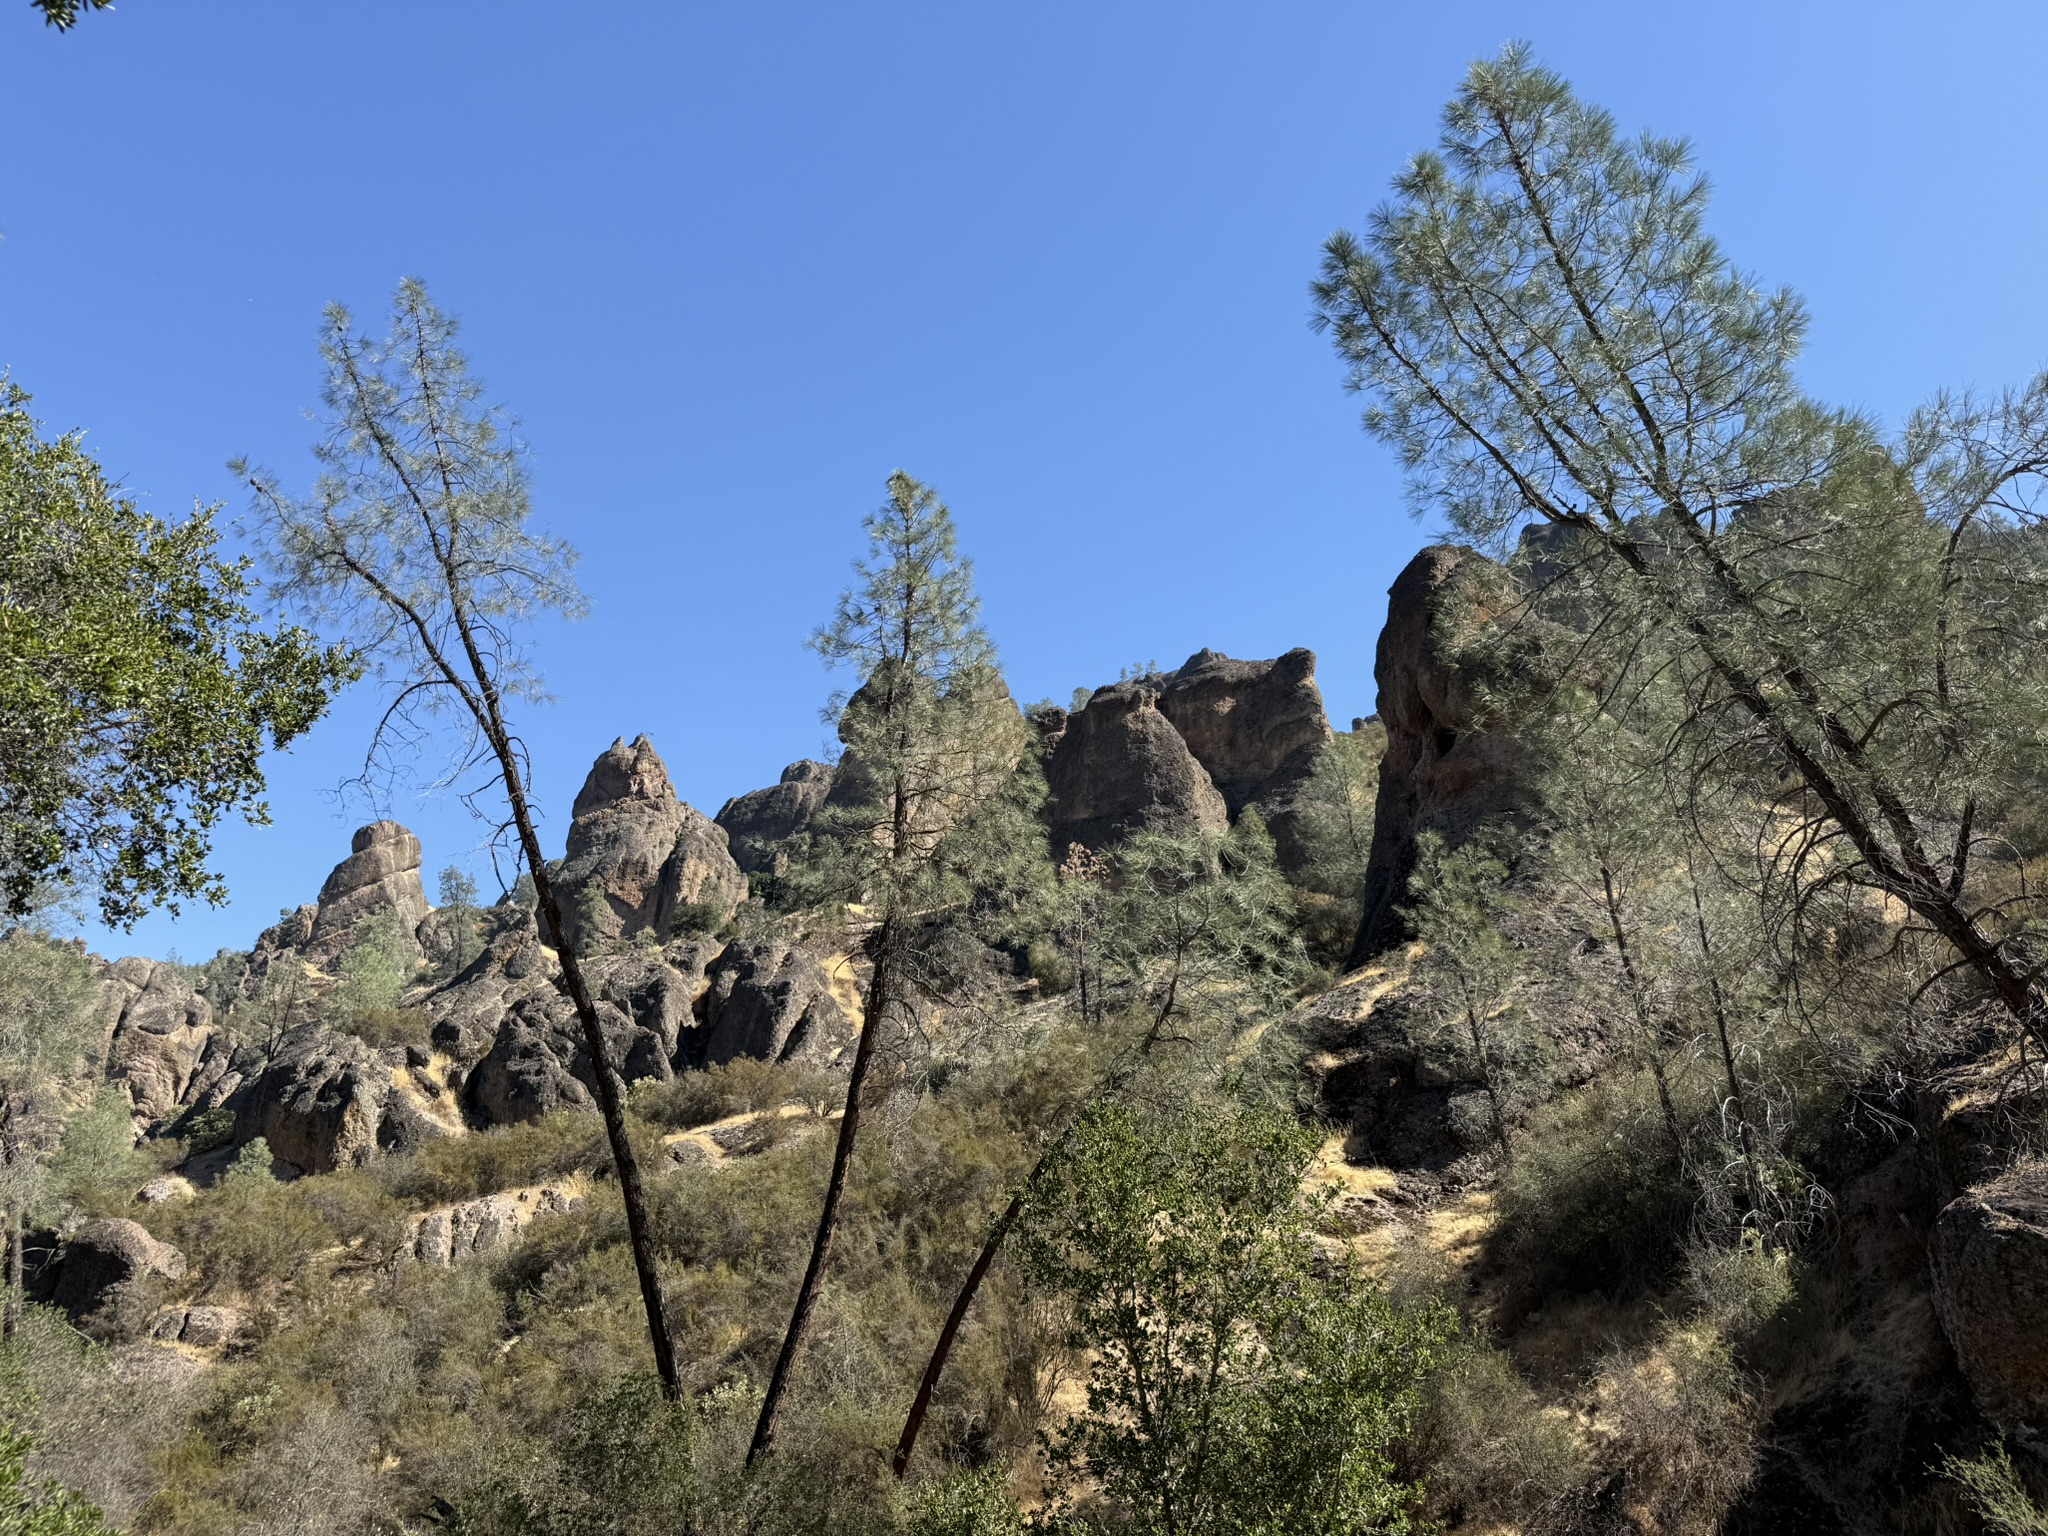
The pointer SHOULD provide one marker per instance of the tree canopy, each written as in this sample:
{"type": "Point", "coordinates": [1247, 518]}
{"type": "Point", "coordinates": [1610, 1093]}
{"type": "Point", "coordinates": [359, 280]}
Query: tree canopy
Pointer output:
{"type": "Point", "coordinates": [139, 687]}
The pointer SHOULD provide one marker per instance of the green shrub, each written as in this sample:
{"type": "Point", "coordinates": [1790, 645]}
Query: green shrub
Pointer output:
{"type": "Point", "coordinates": [248, 1230]}
{"type": "Point", "coordinates": [377, 966]}
{"type": "Point", "coordinates": [971, 1503]}
{"type": "Point", "coordinates": [202, 1131]}
{"type": "Point", "coordinates": [97, 1163]}
{"type": "Point", "coordinates": [1483, 1447]}
{"type": "Point", "coordinates": [462, 1167]}
{"type": "Point", "coordinates": [1994, 1489]}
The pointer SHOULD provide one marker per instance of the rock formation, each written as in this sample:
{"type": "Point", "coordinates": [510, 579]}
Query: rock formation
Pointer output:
{"type": "Point", "coordinates": [1445, 769]}
{"type": "Point", "coordinates": [760, 821]}
{"type": "Point", "coordinates": [104, 1259]}
{"type": "Point", "coordinates": [381, 874]}
{"type": "Point", "coordinates": [454, 1232]}
{"type": "Point", "coordinates": [162, 1043]}
{"type": "Point", "coordinates": [648, 853]}
{"type": "Point", "coordinates": [1119, 768]}
{"type": "Point", "coordinates": [772, 999]}
{"type": "Point", "coordinates": [328, 1101]}
{"type": "Point", "coordinates": [1186, 751]}
{"type": "Point", "coordinates": [1990, 1256]}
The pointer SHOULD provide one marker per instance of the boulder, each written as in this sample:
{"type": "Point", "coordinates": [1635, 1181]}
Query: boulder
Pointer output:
{"type": "Point", "coordinates": [1119, 767]}
{"type": "Point", "coordinates": [327, 1101]}
{"type": "Point", "coordinates": [454, 1232]}
{"type": "Point", "coordinates": [1447, 767]}
{"type": "Point", "coordinates": [105, 1258]}
{"type": "Point", "coordinates": [381, 874]}
{"type": "Point", "coordinates": [770, 999]}
{"type": "Point", "coordinates": [759, 822]}
{"type": "Point", "coordinates": [200, 1327]}
{"type": "Point", "coordinates": [160, 1035]}
{"type": "Point", "coordinates": [1990, 1263]}
{"type": "Point", "coordinates": [1256, 727]}
{"type": "Point", "coordinates": [648, 853]}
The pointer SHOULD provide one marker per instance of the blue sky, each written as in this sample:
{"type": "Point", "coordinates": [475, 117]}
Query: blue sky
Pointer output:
{"type": "Point", "coordinates": [731, 264]}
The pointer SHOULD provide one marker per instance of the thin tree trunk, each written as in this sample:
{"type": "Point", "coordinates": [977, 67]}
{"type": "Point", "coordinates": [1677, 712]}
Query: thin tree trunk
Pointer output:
{"type": "Point", "coordinates": [798, 1331]}
{"type": "Point", "coordinates": [1752, 1172]}
{"type": "Point", "coordinates": [1652, 1036]}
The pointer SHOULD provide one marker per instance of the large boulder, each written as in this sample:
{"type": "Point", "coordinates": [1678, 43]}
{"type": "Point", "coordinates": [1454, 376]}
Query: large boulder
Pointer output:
{"type": "Point", "coordinates": [327, 1101]}
{"type": "Point", "coordinates": [1256, 727]}
{"type": "Point", "coordinates": [381, 874]}
{"type": "Point", "coordinates": [454, 1232]}
{"type": "Point", "coordinates": [1119, 767]}
{"type": "Point", "coordinates": [771, 999]}
{"type": "Point", "coordinates": [1990, 1261]}
{"type": "Point", "coordinates": [758, 823]}
{"type": "Point", "coordinates": [162, 1042]}
{"type": "Point", "coordinates": [105, 1259]}
{"type": "Point", "coordinates": [1448, 768]}
{"type": "Point", "coordinates": [645, 851]}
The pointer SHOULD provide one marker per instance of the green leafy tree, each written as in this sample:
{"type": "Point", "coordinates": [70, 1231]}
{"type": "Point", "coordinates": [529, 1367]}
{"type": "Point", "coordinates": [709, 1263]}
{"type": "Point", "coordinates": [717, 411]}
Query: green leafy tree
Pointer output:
{"type": "Point", "coordinates": [138, 691]}
{"type": "Point", "coordinates": [377, 966]}
{"type": "Point", "coordinates": [65, 14]}
{"type": "Point", "coordinates": [251, 1165]}
{"type": "Point", "coordinates": [1233, 1388]}
{"type": "Point", "coordinates": [416, 541]}
{"type": "Point", "coordinates": [96, 1154]}
{"type": "Point", "coordinates": [941, 835]}
{"type": "Point", "coordinates": [1546, 332]}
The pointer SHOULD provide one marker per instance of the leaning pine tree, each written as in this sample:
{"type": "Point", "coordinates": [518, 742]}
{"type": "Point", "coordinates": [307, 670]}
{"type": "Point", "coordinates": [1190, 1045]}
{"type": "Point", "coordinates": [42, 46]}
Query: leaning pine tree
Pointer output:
{"type": "Point", "coordinates": [415, 542]}
{"type": "Point", "coordinates": [941, 824]}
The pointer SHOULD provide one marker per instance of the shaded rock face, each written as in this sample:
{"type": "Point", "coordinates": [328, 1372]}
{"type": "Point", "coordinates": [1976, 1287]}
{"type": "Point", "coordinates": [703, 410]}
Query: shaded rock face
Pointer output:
{"type": "Point", "coordinates": [1120, 768]}
{"type": "Point", "coordinates": [162, 1043]}
{"type": "Point", "coordinates": [1256, 727]}
{"type": "Point", "coordinates": [381, 874]}
{"type": "Point", "coordinates": [1186, 751]}
{"type": "Point", "coordinates": [758, 822]}
{"type": "Point", "coordinates": [509, 1022]}
{"type": "Point", "coordinates": [1990, 1262]}
{"type": "Point", "coordinates": [454, 1232]}
{"type": "Point", "coordinates": [328, 1101]}
{"type": "Point", "coordinates": [104, 1258]}
{"type": "Point", "coordinates": [646, 851]}
{"type": "Point", "coordinates": [771, 999]}
{"type": "Point", "coordinates": [201, 1327]}
{"type": "Point", "coordinates": [1445, 769]}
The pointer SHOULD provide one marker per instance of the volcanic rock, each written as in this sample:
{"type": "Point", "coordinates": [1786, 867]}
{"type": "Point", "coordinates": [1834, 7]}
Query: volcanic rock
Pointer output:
{"type": "Point", "coordinates": [759, 822]}
{"type": "Point", "coordinates": [382, 874]}
{"type": "Point", "coordinates": [1119, 768]}
{"type": "Point", "coordinates": [1990, 1262]}
{"type": "Point", "coordinates": [104, 1258]}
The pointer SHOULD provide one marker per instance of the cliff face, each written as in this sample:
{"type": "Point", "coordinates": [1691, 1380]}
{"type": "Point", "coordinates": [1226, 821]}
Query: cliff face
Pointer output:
{"type": "Point", "coordinates": [1447, 768]}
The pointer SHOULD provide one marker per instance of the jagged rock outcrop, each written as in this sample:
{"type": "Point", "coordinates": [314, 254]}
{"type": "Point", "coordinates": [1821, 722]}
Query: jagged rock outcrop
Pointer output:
{"type": "Point", "coordinates": [1446, 769]}
{"type": "Point", "coordinates": [162, 1042]}
{"type": "Point", "coordinates": [454, 1232]}
{"type": "Point", "coordinates": [757, 823]}
{"type": "Point", "coordinates": [381, 874]}
{"type": "Point", "coordinates": [515, 1034]}
{"type": "Point", "coordinates": [646, 851]}
{"type": "Point", "coordinates": [772, 999]}
{"type": "Point", "coordinates": [103, 1259]}
{"type": "Point", "coordinates": [327, 1101]}
{"type": "Point", "coordinates": [1119, 768]}
{"type": "Point", "coordinates": [1256, 727]}
{"type": "Point", "coordinates": [1990, 1261]}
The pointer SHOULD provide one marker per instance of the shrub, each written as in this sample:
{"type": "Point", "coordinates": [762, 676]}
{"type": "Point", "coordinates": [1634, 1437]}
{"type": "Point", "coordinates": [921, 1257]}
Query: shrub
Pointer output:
{"type": "Point", "coordinates": [97, 1163]}
{"type": "Point", "coordinates": [735, 1087]}
{"type": "Point", "coordinates": [377, 966]}
{"type": "Point", "coordinates": [1992, 1485]}
{"type": "Point", "coordinates": [973, 1503]}
{"type": "Point", "coordinates": [1685, 1429]}
{"type": "Point", "coordinates": [204, 1130]}
{"type": "Point", "coordinates": [248, 1230]}
{"type": "Point", "coordinates": [381, 1028]}
{"type": "Point", "coordinates": [1741, 1288]}
{"type": "Point", "coordinates": [1484, 1448]}
{"type": "Point", "coordinates": [462, 1167]}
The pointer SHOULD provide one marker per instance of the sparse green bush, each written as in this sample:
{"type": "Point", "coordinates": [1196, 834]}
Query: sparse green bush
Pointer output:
{"type": "Point", "coordinates": [462, 1167]}
{"type": "Point", "coordinates": [375, 969]}
{"type": "Point", "coordinates": [248, 1230]}
{"type": "Point", "coordinates": [204, 1130]}
{"type": "Point", "coordinates": [1993, 1486]}
{"type": "Point", "coordinates": [1595, 1198]}
{"type": "Point", "coordinates": [1685, 1429]}
{"type": "Point", "coordinates": [1740, 1289]}
{"type": "Point", "coordinates": [381, 1028]}
{"type": "Point", "coordinates": [969, 1503]}
{"type": "Point", "coordinates": [1482, 1446]}
{"type": "Point", "coordinates": [97, 1164]}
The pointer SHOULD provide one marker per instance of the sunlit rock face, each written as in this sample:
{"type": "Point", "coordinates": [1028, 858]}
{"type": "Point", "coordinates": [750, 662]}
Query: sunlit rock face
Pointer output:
{"type": "Point", "coordinates": [381, 874]}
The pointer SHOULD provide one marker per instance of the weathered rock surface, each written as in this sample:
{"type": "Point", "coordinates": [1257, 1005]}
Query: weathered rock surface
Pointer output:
{"type": "Point", "coordinates": [454, 1232]}
{"type": "Point", "coordinates": [200, 1327]}
{"type": "Point", "coordinates": [381, 874]}
{"type": "Point", "coordinates": [1990, 1261]}
{"type": "Point", "coordinates": [328, 1101]}
{"type": "Point", "coordinates": [162, 1043]}
{"type": "Point", "coordinates": [1256, 727]}
{"type": "Point", "coordinates": [1446, 770]}
{"type": "Point", "coordinates": [772, 999]}
{"type": "Point", "coordinates": [103, 1258]}
{"type": "Point", "coordinates": [645, 850]}
{"type": "Point", "coordinates": [1120, 768]}
{"type": "Point", "coordinates": [757, 823]}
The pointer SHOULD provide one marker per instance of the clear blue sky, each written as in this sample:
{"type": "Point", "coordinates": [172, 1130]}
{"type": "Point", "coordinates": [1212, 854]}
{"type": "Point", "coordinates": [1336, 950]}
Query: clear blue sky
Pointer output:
{"type": "Point", "coordinates": [733, 263]}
